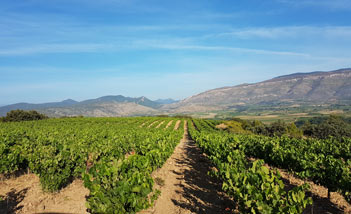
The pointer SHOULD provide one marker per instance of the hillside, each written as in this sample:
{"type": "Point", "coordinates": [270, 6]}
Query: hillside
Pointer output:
{"type": "Point", "coordinates": [30, 106]}
{"type": "Point", "coordinates": [301, 88]}
{"type": "Point", "coordinates": [107, 106]}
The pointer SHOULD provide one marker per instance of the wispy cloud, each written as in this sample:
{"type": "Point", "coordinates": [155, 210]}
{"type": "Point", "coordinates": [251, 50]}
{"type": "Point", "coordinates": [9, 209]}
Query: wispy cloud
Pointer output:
{"type": "Point", "coordinates": [20, 30]}
{"type": "Point", "coordinates": [303, 55]}
{"type": "Point", "coordinates": [327, 4]}
{"type": "Point", "coordinates": [290, 32]}
{"type": "Point", "coordinates": [135, 45]}
{"type": "Point", "coordinates": [55, 48]}
{"type": "Point", "coordinates": [170, 46]}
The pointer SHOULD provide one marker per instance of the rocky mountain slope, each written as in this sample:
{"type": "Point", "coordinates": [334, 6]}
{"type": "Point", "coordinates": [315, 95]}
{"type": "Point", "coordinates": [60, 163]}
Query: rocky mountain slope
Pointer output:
{"type": "Point", "coordinates": [315, 87]}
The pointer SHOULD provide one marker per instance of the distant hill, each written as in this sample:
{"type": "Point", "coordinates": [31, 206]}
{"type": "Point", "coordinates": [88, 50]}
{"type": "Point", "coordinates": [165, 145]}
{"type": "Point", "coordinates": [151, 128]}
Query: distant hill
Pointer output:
{"type": "Point", "coordinates": [121, 99]}
{"type": "Point", "coordinates": [106, 106]}
{"type": "Point", "coordinates": [29, 106]}
{"type": "Point", "coordinates": [315, 87]}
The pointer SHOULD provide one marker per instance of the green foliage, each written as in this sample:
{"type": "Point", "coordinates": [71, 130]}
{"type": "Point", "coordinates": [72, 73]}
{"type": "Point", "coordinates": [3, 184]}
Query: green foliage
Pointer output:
{"type": "Point", "coordinates": [293, 131]}
{"type": "Point", "coordinates": [254, 187]}
{"type": "Point", "coordinates": [124, 186]}
{"type": "Point", "coordinates": [278, 128]}
{"type": "Point", "coordinates": [326, 162]}
{"type": "Point", "coordinates": [324, 128]}
{"type": "Point", "coordinates": [162, 115]}
{"type": "Point", "coordinates": [114, 156]}
{"type": "Point", "coordinates": [182, 116]}
{"type": "Point", "coordinates": [235, 127]}
{"type": "Point", "coordinates": [257, 127]}
{"type": "Point", "coordinates": [20, 115]}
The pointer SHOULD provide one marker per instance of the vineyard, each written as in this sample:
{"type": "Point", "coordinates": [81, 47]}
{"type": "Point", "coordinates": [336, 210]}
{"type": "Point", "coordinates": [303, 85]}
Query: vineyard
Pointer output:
{"type": "Point", "coordinates": [116, 158]}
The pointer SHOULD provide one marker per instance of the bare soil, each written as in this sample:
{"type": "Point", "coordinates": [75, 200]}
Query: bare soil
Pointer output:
{"type": "Point", "coordinates": [176, 127]}
{"type": "Point", "coordinates": [222, 126]}
{"type": "Point", "coordinates": [160, 124]}
{"type": "Point", "coordinates": [186, 187]}
{"type": "Point", "coordinates": [24, 194]}
{"type": "Point", "coordinates": [169, 124]}
{"type": "Point", "coordinates": [152, 123]}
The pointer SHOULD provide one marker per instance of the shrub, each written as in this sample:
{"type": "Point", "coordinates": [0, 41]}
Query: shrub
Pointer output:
{"type": "Point", "coordinates": [333, 126]}
{"type": "Point", "coordinates": [20, 115]}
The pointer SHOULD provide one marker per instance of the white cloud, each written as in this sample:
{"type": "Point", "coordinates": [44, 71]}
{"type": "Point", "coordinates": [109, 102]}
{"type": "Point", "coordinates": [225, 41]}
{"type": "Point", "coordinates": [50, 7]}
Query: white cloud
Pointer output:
{"type": "Point", "coordinates": [290, 32]}
{"type": "Point", "coordinates": [171, 46]}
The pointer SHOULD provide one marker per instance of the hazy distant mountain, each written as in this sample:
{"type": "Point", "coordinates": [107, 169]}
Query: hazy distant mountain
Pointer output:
{"type": "Point", "coordinates": [121, 99]}
{"type": "Point", "coordinates": [29, 106]}
{"type": "Point", "coordinates": [315, 87]}
{"type": "Point", "coordinates": [106, 106]}
{"type": "Point", "coordinates": [102, 109]}
{"type": "Point", "coordinates": [166, 101]}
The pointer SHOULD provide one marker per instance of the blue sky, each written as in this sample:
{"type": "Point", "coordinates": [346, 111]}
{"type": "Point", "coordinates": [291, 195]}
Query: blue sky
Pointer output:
{"type": "Point", "coordinates": [80, 49]}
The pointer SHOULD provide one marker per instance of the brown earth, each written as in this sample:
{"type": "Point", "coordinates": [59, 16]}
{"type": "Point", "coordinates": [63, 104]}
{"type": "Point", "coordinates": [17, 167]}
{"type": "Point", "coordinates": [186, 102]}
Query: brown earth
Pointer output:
{"type": "Point", "coordinates": [160, 124]}
{"type": "Point", "coordinates": [24, 194]}
{"type": "Point", "coordinates": [152, 123]}
{"type": "Point", "coordinates": [176, 127]}
{"type": "Point", "coordinates": [169, 124]}
{"type": "Point", "coordinates": [185, 185]}
{"type": "Point", "coordinates": [222, 126]}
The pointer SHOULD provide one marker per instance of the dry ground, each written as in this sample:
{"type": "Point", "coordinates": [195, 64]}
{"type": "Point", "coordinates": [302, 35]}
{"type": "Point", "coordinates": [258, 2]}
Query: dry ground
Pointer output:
{"type": "Point", "coordinates": [186, 187]}
{"type": "Point", "coordinates": [169, 124]}
{"type": "Point", "coordinates": [23, 194]}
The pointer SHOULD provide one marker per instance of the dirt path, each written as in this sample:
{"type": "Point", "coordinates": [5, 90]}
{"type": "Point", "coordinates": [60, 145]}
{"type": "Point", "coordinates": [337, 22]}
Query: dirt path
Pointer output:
{"type": "Point", "coordinates": [24, 195]}
{"type": "Point", "coordinates": [176, 127]}
{"type": "Point", "coordinates": [187, 188]}
{"type": "Point", "coordinates": [152, 123]}
{"type": "Point", "coordinates": [169, 124]}
{"type": "Point", "coordinates": [142, 124]}
{"type": "Point", "coordinates": [160, 124]}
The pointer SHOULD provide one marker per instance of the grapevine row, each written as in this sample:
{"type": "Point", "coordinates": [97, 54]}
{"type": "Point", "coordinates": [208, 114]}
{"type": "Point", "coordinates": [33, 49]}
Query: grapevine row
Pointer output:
{"type": "Point", "coordinates": [254, 187]}
{"type": "Point", "coordinates": [325, 162]}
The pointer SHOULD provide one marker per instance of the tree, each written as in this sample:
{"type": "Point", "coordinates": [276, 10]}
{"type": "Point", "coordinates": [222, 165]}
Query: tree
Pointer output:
{"type": "Point", "coordinates": [293, 131]}
{"type": "Point", "coordinates": [334, 126]}
{"type": "Point", "coordinates": [277, 128]}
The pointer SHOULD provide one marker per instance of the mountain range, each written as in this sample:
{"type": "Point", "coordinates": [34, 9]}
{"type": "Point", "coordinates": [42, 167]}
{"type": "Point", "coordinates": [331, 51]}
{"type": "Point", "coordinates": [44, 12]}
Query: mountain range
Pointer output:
{"type": "Point", "coordinates": [316, 88]}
